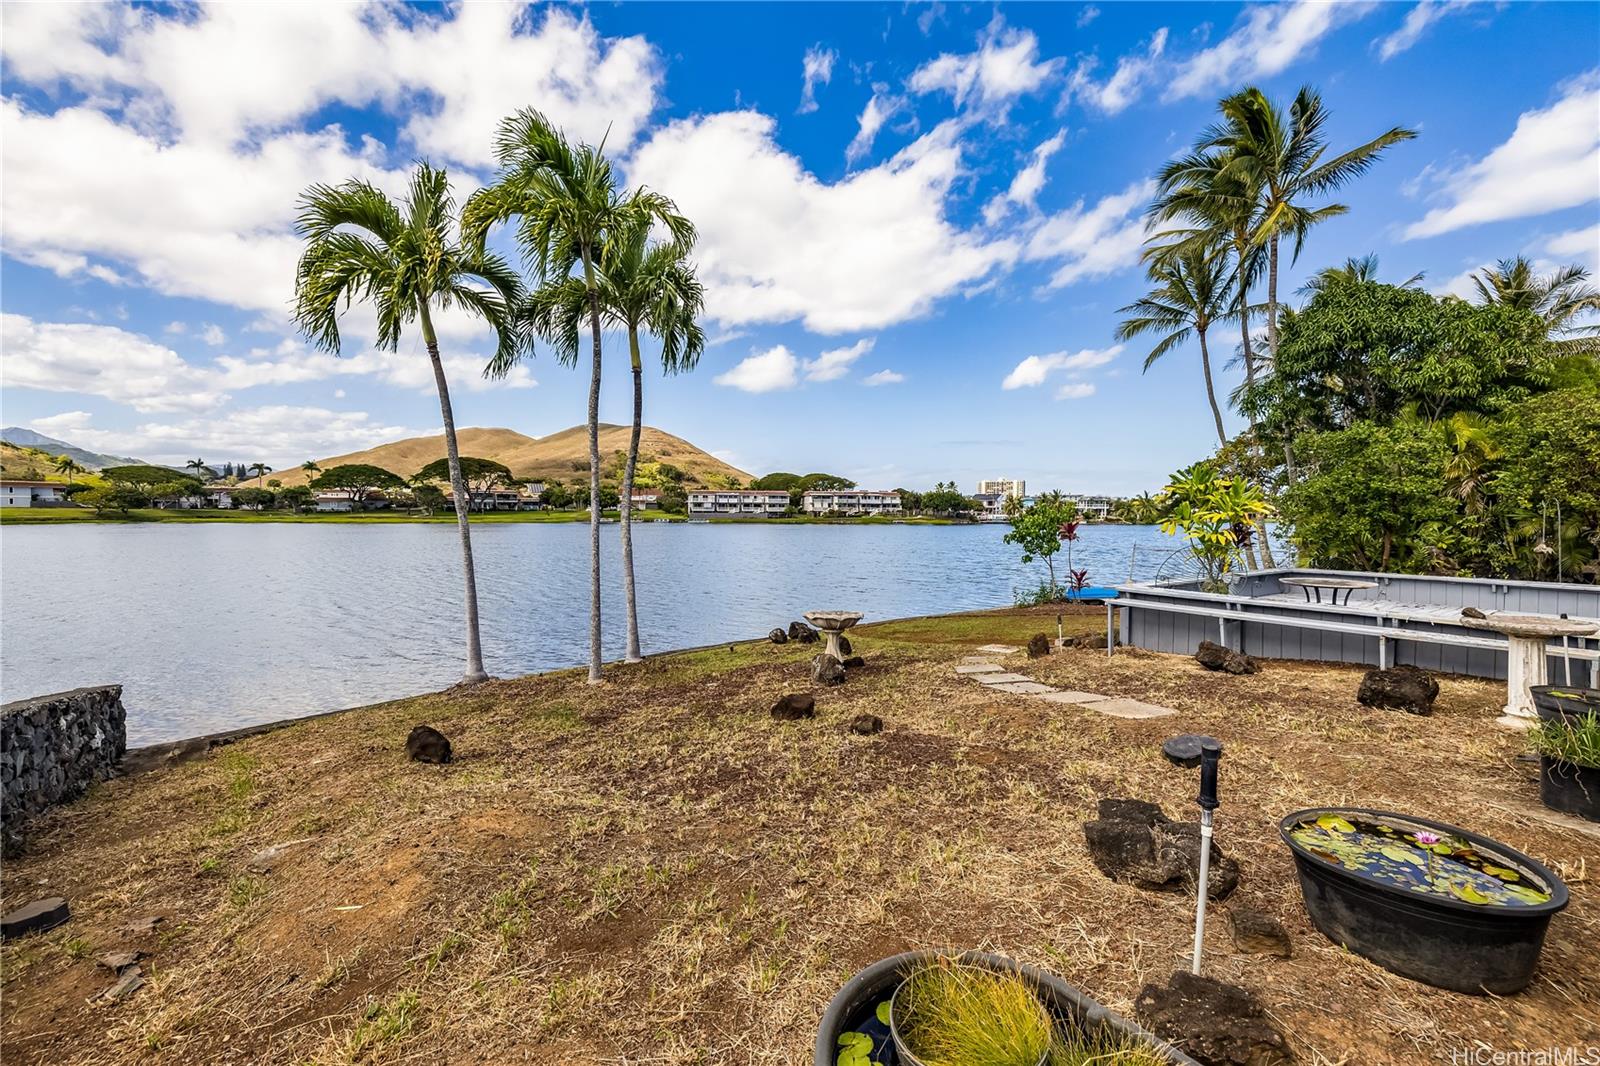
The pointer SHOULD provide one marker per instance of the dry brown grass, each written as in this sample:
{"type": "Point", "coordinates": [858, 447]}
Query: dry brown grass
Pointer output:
{"type": "Point", "coordinates": [653, 871]}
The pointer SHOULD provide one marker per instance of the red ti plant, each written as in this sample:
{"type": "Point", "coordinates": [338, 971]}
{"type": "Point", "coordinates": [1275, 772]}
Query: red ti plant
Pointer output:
{"type": "Point", "coordinates": [1069, 534]}
{"type": "Point", "coordinates": [1080, 579]}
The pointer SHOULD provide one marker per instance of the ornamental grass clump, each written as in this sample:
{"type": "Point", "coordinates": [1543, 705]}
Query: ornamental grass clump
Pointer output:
{"type": "Point", "coordinates": [951, 1014]}
{"type": "Point", "coordinates": [1568, 740]}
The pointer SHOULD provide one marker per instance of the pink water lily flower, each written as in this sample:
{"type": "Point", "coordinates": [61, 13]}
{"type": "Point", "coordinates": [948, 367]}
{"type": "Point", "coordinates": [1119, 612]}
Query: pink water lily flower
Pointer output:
{"type": "Point", "coordinates": [1426, 839]}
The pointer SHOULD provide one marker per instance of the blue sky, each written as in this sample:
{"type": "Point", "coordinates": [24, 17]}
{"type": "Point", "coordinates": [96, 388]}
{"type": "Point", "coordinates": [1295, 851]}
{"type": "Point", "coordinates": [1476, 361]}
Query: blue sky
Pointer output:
{"type": "Point", "coordinates": [917, 221]}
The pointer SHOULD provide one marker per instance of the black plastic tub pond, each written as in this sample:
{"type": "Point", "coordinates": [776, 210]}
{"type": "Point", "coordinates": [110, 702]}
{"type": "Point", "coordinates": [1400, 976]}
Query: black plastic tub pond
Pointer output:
{"type": "Point", "coordinates": [1556, 702]}
{"type": "Point", "coordinates": [1424, 899]}
{"type": "Point", "coordinates": [1570, 788]}
{"type": "Point", "coordinates": [854, 1008]}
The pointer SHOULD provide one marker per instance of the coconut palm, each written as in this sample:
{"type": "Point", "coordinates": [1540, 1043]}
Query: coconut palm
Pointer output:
{"type": "Point", "coordinates": [569, 212]}
{"type": "Point", "coordinates": [260, 470]}
{"type": "Point", "coordinates": [1558, 298]}
{"type": "Point", "coordinates": [404, 259]}
{"type": "Point", "coordinates": [66, 464]}
{"type": "Point", "coordinates": [1354, 272]}
{"type": "Point", "coordinates": [199, 467]}
{"type": "Point", "coordinates": [1193, 289]}
{"type": "Point", "coordinates": [310, 469]}
{"type": "Point", "coordinates": [1281, 157]}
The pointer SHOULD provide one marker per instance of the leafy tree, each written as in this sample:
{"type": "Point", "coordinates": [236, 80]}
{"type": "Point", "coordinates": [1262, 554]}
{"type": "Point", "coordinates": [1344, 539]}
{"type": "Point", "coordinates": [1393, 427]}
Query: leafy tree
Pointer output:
{"type": "Point", "coordinates": [358, 479]}
{"type": "Point", "coordinates": [945, 499]}
{"type": "Point", "coordinates": [482, 477]}
{"type": "Point", "coordinates": [403, 258]}
{"type": "Point", "coordinates": [256, 499]}
{"type": "Point", "coordinates": [1193, 289]}
{"type": "Point", "coordinates": [777, 482]}
{"type": "Point", "coordinates": [1038, 530]}
{"type": "Point", "coordinates": [429, 497]}
{"type": "Point", "coordinates": [144, 477]}
{"type": "Point", "coordinates": [114, 497]}
{"type": "Point", "coordinates": [1549, 469]}
{"type": "Point", "coordinates": [570, 212]}
{"type": "Point", "coordinates": [1216, 514]}
{"type": "Point", "coordinates": [825, 483]}
{"type": "Point", "coordinates": [295, 497]}
{"type": "Point", "coordinates": [666, 472]}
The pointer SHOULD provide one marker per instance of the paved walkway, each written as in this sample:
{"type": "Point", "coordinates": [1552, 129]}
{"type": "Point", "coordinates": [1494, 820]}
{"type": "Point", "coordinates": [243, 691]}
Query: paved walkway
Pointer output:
{"type": "Point", "coordinates": [987, 670]}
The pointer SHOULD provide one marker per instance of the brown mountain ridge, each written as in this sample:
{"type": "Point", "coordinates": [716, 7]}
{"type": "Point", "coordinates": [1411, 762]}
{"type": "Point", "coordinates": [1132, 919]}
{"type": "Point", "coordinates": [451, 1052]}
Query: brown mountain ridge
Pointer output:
{"type": "Point", "coordinates": [563, 455]}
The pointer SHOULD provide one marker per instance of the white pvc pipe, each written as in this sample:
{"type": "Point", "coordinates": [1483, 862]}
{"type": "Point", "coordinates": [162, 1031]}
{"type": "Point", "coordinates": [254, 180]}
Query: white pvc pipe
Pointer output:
{"type": "Point", "coordinates": [1200, 903]}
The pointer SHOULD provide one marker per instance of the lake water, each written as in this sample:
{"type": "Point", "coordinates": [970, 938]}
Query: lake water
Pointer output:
{"type": "Point", "coordinates": [210, 627]}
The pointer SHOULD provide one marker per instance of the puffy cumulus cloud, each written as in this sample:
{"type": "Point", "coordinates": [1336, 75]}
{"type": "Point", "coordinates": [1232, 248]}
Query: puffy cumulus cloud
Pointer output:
{"type": "Point", "coordinates": [103, 361]}
{"type": "Point", "coordinates": [1035, 369]}
{"type": "Point", "coordinates": [282, 435]}
{"type": "Point", "coordinates": [219, 72]}
{"type": "Point", "coordinates": [883, 377]}
{"type": "Point", "coordinates": [816, 68]}
{"type": "Point", "coordinates": [1266, 39]}
{"type": "Point", "coordinates": [1006, 65]}
{"type": "Point", "coordinates": [834, 364]}
{"type": "Point", "coordinates": [213, 335]}
{"type": "Point", "coordinates": [779, 244]}
{"type": "Point", "coordinates": [768, 371]}
{"type": "Point", "coordinates": [1549, 163]}
{"type": "Point", "coordinates": [1417, 22]}
{"type": "Point", "coordinates": [1126, 84]}
{"type": "Point", "coordinates": [1091, 242]}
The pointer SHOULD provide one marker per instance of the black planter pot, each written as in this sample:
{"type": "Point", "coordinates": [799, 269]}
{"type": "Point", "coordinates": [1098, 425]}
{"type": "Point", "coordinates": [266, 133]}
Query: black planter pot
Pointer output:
{"type": "Point", "coordinates": [1446, 943]}
{"type": "Point", "coordinates": [1573, 705]}
{"type": "Point", "coordinates": [1570, 788]}
{"type": "Point", "coordinates": [855, 1002]}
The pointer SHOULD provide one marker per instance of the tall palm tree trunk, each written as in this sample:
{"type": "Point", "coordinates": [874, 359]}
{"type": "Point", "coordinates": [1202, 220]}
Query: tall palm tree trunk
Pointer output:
{"type": "Point", "coordinates": [458, 486]}
{"type": "Point", "coordinates": [633, 655]}
{"type": "Point", "coordinates": [1211, 392]}
{"type": "Point", "coordinates": [594, 475]}
{"type": "Point", "coordinates": [1250, 371]}
{"type": "Point", "coordinates": [1272, 298]}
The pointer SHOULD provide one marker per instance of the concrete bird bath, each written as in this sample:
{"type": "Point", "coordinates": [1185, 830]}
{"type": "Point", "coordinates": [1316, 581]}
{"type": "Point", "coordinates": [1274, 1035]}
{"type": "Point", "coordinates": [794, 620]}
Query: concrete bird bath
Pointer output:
{"type": "Point", "coordinates": [833, 623]}
{"type": "Point", "coordinates": [1526, 637]}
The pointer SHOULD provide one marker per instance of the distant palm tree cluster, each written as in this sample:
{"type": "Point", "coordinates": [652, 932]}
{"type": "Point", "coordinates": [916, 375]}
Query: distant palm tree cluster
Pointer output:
{"type": "Point", "coordinates": [591, 261]}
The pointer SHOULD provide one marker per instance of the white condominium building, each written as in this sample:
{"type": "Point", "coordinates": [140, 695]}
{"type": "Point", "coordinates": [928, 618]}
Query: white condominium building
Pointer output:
{"type": "Point", "coordinates": [852, 502]}
{"type": "Point", "coordinates": [1002, 487]}
{"type": "Point", "coordinates": [738, 503]}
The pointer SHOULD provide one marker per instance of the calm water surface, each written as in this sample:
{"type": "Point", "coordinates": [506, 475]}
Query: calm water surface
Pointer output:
{"type": "Point", "coordinates": [209, 627]}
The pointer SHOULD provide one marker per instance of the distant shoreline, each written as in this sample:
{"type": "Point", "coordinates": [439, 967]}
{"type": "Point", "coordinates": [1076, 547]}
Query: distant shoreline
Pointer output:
{"type": "Point", "coordinates": [30, 516]}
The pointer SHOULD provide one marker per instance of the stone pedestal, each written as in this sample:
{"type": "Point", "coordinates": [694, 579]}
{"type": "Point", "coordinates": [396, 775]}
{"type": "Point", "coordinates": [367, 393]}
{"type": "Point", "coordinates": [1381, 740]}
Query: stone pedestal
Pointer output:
{"type": "Point", "coordinates": [833, 624]}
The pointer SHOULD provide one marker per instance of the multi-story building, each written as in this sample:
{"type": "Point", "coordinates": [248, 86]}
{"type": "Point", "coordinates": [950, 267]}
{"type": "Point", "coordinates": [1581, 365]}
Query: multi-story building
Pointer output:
{"type": "Point", "coordinates": [850, 502]}
{"type": "Point", "coordinates": [738, 503]}
{"type": "Point", "coordinates": [31, 493]}
{"type": "Point", "coordinates": [991, 506]}
{"type": "Point", "coordinates": [1094, 508]}
{"type": "Point", "coordinates": [1002, 487]}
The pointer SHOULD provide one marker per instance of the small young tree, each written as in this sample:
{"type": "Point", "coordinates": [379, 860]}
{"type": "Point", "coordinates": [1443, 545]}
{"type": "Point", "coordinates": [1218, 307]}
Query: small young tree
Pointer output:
{"type": "Point", "coordinates": [1216, 515]}
{"type": "Point", "coordinates": [1037, 530]}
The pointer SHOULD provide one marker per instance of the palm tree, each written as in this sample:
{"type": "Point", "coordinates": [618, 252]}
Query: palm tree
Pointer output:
{"type": "Point", "coordinates": [310, 469]}
{"type": "Point", "coordinates": [1557, 298]}
{"type": "Point", "coordinates": [1355, 271]}
{"type": "Point", "coordinates": [1282, 159]}
{"type": "Point", "coordinates": [404, 258]}
{"type": "Point", "coordinates": [66, 464]}
{"type": "Point", "coordinates": [1193, 290]}
{"type": "Point", "coordinates": [260, 470]}
{"type": "Point", "coordinates": [569, 212]}
{"type": "Point", "coordinates": [199, 467]}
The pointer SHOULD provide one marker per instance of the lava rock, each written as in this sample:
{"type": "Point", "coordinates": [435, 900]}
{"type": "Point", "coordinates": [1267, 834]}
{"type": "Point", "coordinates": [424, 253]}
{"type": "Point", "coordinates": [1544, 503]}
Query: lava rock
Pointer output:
{"type": "Point", "coordinates": [1472, 612]}
{"type": "Point", "coordinates": [427, 744]}
{"type": "Point", "coordinates": [1399, 688]}
{"type": "Point", "coordinates": [1038, 646]}
{"type": "Point", "coordinates": [826, 670]}
{"type": "Point", "coordinates": [1214, 656]}
{"type": "Point", "coordinates": [844, 646]}
{"type": "Point", "coordinates": [1258, 933]}
{"type": "Point", "coordinates": [131, 981]}
{"type": "Point", "coordinates": [1184, 749]}
{"type": "Point", "coordinates": [1114, 809]}
{"type": "Point", "coordinates": [855, 662]}
{"type": "Point", "coordinates": [1216, 1023]}
{"type": "Point", "coordinates": [803, 633]}
{"type": "Point", "coordinates": [1178, 861]}
{"type": "Point", "coordinates": [35, 917]}
{"type": "Point", "coordinates": [1089, 640]}
{"type": "Point", "coordinates": [794, 705]}
{"type": "Point", "coordinates": [778, 636]}
{"type": "Point", "coordinates": [117, 961]}
{"type": "Point", "coordinates": [866, 724]}
{"type": "Point", "coordinates": [1134, 842]}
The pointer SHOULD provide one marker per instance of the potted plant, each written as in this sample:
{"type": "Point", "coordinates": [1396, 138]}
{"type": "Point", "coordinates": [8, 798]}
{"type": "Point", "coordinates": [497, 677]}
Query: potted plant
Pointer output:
{"type": "Point", "coordinates": [1424, 899]}
{"type": "Point", "coordinates": [1564, 701]}
{"type": "Point", "coordinates": [923, 1008]}
{"type": "Point", "coordinates": [1569, 764]}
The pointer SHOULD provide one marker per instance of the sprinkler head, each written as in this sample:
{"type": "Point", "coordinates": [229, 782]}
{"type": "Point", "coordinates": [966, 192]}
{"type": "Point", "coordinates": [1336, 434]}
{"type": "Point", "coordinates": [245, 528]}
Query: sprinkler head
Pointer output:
{"type": "Point", "coordinates": [1210, 756]}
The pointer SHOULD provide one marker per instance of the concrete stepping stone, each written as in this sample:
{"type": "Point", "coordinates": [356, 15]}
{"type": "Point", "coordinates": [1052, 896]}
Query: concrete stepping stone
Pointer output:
{"type": "Point", "coordinates": [1126, 708]}
{"type": "Point", "coordinates": [1070, 696]}
{"type": "Point", "coordinates": [980, 668]}
{"type": "Point", "coordinates": [1000, 649]}
{"type": "Point", "coordinates": [1000, 678]}
{"type": "Point", "coordinates": [1023, 688]}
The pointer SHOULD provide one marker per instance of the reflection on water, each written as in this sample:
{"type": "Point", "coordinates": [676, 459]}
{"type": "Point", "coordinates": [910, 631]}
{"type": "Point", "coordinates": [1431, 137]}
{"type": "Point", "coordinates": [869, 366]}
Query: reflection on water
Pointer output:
{"type": "Point", "coordinates": [209, 627]}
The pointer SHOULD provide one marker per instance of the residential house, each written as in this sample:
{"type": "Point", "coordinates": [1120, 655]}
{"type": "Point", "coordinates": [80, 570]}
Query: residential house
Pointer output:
{"type": "Point", "coordinates": [345, 500]}
{"type": "Point", "coordinates": [31, 493]}
{"type": "Point", "coordinates": [850, 502]}
{"type": "Point", "coordinates": [647, 501]}
{"type": "Point", "coordinates": [991, 506]}
{"type": "Point", "coordinates": [516, 498]}
{"type": "Point", "coordinates": [217, 496]}
{"type": "Point", "coordinates": [738, 503]}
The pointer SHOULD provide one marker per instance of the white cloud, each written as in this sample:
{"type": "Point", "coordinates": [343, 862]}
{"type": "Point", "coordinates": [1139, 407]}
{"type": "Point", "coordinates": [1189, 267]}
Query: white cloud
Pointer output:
{"type": "Point", "coordinates": [1033, 370]}
{"type": "Point", "coordinates": [1266, 39]}
{"type": "Point", "coordinates": [1087, 15]}
{"type": "Point", "coordinates": [280, 436]}
{"type": "Point", "coordinates": [883, 377]}
{"type": "Point", "coordinates": [291, 362]}
{"type": "Point", "coordinates": [212, 334]}
{"type": "Point", "coordinates": [103, 361]}
{"type": "Point", "coordinates": [768, 371]}
{"type": "Point", "coordinates": [1030, 179]}
{"type": "Point", "coordinates": [1581, 246]}
{"type": "Point", "coordinates": [176, 328]}
{"type": "Point", "coordinates": [1134, 72]}
{"type": "Point", "coordinates": [1005, 66]}
{"type": "Point", "coordinates": [1550, 162]}
{"type": "Point", "coordinates": [816, 69]}
{"type": "Point", "coordinates": [1093, 241]}
{"type": "Point", "coordinates": [881, 107]}
{"type": "Point", "coordinates": [1418, 19]}
{"type": "Point", "coordinates": [1075, 390]}
{"type": "Point", "coordinates": [834, 364]}
{"type": "Point", "coordinates": [778, 244]}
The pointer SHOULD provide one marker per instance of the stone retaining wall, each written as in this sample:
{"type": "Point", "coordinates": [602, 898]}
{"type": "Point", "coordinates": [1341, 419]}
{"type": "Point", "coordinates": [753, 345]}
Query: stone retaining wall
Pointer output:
{"type": "Point", "coordinates": [52, 748]}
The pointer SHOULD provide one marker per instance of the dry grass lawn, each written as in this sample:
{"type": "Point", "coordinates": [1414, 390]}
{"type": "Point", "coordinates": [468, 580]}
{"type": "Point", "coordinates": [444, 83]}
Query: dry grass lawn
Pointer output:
{"type": "Point", "coordinates": [653, 871]}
